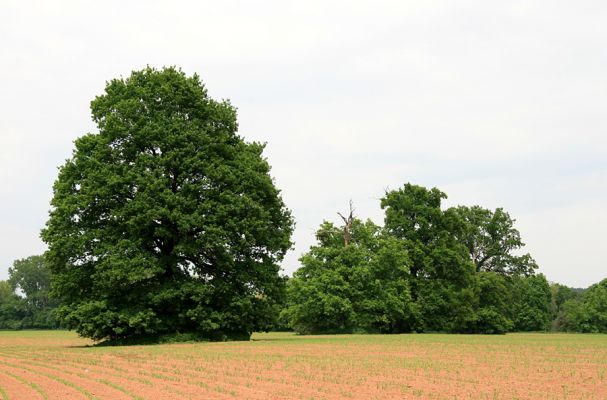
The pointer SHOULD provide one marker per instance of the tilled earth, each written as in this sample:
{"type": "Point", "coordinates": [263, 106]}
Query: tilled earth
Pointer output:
{"type": "Point", "coordinates": [59, 365]}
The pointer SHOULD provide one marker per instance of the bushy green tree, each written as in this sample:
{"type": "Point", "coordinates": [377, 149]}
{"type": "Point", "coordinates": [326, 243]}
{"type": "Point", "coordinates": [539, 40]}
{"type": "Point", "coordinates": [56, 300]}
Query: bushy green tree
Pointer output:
{"type": "Point", "coordinates": [493, 313]}
{"type": "Point", "coordinates": [589, 314]}
{"type": "Point", "coordinates": [12, 308]}
{"type": "Point", "coordinates": [166, 220]}
{"type": "Point", "coordinates": [31, 278]}
{"type": "Point", "coordinates": [561, 294]}
{"type": "Point", "coordinates": [357, 284]}
{"type": "Point", "coordinates": [442, 275]}
{"type": "Point", "coordinates": [531, 301]}
{"type": "Point", "coordinates": [24, 297]}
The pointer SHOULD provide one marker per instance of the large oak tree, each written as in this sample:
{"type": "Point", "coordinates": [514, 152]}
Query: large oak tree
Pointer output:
{"type": "Point", "coordinates": [166, 221]}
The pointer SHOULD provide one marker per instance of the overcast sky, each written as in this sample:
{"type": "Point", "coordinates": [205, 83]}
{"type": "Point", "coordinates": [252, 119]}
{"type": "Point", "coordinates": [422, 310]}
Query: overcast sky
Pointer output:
{"type": "Point", "coordinates": [497, 103]}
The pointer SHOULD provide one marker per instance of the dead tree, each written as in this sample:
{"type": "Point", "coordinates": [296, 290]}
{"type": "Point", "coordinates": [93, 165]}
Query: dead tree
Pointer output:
{"type": "Point", "coordinates": [348, 225]}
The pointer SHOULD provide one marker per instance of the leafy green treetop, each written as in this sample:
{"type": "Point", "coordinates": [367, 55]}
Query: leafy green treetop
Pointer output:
{"type": "Point", "coordinates": [492, 241]}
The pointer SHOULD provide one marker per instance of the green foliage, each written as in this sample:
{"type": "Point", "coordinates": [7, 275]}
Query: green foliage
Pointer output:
{"type": "Point", "coordinates": [491, 240]}
{"type": "Point", "coordinates": [588, 314]}
{"type": "Point", "coordinates": [29, 277]}
{"type": "Point", "coordinates": [361, 286]}
{"type": "Point", "coordinates": [166, 220]}
{"type": "Point", "coordinates": [494, 309]}
{"type": "Point", "coordinates": [442, 275]}
{"type": "Point", "coordinates": [531, 300]}
{"type": "Point", "coordinates": [12, 308]}
{"type": "Point", "coordinates": [561, 294]}
{"type": "Point", "coordinates": [427, 270]}
{"type": "Point", "coordinates": [506, 303]}
{"type": "Point", "coordinates": [33, 278]}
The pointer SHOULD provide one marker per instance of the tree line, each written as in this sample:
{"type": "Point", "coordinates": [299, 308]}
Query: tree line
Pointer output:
{"type": "Point", "coordinates": [355, 291]}
{"type": "Point", "coordinates": [431, 270]}
{"type": "Point", "coordinates": [167, 223]}
{"type": "Point", "coordinates": [25, 301]}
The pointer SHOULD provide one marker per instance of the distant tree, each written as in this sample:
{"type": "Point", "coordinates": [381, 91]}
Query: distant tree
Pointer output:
{"type": "Point", "coordinates": [492, 241]}
{"type": "Point", "coordinates": [574, 317]}
{"type": "Point", "coordinates": [32, 277]}
{"type": "Point", "coordinates": [531, 299]}
{"type": "Point", "coordinates": [166, 220]}
{"type": "Point", "coordinates": [589, 314]}
{"type": "Point", "coordinates": [494, 312]}
{"type": "Point", "coordinates": [12, 308]}
{"type": "Point", "coordinates": [357, 285]}
{"type": "Point", "coordinates": [442, 275]}
{"type": "Point", "coordinates": [560, 294]}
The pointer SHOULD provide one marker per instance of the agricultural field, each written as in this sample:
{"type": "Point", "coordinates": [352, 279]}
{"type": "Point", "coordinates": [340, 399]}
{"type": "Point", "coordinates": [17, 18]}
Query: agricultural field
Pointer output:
{"type": "Point", "coordinates": [59, 365]}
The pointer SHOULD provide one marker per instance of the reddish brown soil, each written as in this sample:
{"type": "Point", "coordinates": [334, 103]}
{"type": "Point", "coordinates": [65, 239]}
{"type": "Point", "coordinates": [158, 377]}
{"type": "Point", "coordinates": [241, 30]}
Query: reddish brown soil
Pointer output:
{"type": "Point", "coordinates": [284, 366]}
